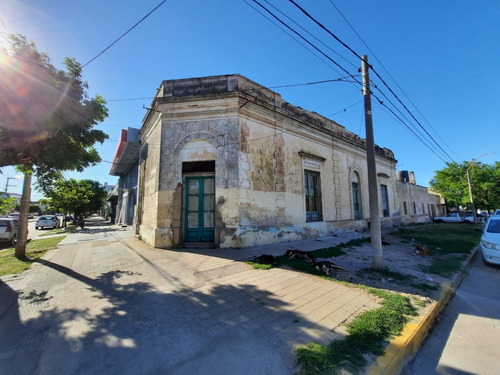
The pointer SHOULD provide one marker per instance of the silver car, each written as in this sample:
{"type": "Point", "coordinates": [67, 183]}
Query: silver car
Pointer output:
{"type": "Point", "coordinates": [47, 221]}
{"type": "Point", "coordinates": [8, 230]}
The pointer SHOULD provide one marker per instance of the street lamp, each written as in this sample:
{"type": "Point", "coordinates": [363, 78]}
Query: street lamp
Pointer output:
{"type": "Point", "coordinates": [474, 161]}
{"type": "Point", "coordinates": [11, 178]}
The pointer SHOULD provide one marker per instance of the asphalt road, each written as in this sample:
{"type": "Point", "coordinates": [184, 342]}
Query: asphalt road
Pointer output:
{"type": "Point", "coordinates": [465, 340]}
{"type": "Point", "coordinates": [34, 233]}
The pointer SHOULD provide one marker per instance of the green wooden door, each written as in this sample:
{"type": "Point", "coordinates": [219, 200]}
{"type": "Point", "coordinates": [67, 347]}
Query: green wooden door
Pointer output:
{"type": "Point", "coordinates": [200, 209]}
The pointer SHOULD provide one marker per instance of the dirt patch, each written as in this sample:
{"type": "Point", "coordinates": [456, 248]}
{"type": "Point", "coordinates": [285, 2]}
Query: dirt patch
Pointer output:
{"type": "Point", "coordinates": [404, 265]}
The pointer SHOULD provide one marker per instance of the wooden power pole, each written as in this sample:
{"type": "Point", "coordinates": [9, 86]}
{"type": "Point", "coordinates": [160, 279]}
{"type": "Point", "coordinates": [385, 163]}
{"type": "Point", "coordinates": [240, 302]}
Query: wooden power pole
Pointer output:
{"type": "Point", "coordinates": [376, 235]}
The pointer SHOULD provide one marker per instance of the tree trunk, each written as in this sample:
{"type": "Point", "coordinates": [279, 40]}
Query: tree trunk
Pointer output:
{"type": "Point", "coordinates": [22, 230]}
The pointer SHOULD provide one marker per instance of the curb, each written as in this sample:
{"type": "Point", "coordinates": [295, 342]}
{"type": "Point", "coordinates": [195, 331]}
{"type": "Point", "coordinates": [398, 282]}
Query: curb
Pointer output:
{"type": "Point", "coordinates": [403, 348]}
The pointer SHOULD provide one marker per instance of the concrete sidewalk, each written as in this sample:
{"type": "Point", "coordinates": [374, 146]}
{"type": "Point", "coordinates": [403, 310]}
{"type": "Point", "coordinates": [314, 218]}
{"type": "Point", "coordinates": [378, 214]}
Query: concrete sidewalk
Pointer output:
{"type": "Point", "coordinates": [105, 302]}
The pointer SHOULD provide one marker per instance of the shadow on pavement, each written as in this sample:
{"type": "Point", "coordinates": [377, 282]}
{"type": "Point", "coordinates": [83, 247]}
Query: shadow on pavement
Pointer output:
{"type": "Point", "coordinates": [118, 323]}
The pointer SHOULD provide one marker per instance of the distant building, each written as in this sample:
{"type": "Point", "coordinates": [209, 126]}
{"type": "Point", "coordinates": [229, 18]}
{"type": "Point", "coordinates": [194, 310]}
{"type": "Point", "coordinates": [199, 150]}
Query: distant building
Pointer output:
{"type": "Point", "coordinates": [415, 203]}
{"type": "Point", "coordinates": [123, 196]}
{"type": "Point", "coordinates": [108, 188]}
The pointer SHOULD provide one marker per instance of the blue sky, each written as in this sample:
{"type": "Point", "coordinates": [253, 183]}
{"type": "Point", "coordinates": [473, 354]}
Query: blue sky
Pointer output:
{"type": "Point", "coordinates": [441, 59]}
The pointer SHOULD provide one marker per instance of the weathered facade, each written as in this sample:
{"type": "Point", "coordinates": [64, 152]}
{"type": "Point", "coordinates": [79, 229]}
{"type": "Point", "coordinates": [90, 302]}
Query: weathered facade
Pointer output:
{"type": "Point", "coordinates": [228, 162]}
{"type": "Point", "coordinates": [415, 203]}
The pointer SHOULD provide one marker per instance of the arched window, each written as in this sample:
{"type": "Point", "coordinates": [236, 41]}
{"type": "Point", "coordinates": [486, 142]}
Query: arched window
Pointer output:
{"type": "Point", "coordinates": [356, 196]}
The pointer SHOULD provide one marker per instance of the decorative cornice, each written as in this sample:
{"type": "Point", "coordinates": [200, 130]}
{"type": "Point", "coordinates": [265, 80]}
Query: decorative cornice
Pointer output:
{"type": "Point", "coordinates": [304, 154]}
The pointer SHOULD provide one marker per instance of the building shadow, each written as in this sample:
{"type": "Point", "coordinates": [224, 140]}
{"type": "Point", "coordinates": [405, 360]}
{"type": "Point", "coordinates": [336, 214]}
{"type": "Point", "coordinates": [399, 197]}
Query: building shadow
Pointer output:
{"type": "Point", "coordinates": [123, 324]}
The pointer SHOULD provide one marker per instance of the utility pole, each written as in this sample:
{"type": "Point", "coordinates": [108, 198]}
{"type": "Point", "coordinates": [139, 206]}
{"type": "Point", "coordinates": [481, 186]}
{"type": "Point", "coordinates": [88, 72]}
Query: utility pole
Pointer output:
{"type": "Point", "coordinates": [376, 235]}
{"type": "Point", "coordinates": [473, 162]}
{"type": "Point", "coordinates": [470, 193]}
{"type": "Point", "coordinates": [7, 183]}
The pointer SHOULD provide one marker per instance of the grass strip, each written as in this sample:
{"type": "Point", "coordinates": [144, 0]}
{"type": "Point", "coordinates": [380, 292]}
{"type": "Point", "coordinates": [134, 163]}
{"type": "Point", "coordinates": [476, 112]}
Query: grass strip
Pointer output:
{"type": "Point", "coordinates": [450, 243]}
{"type": "Point", "coordinates": [446, 238]}
{"type": "Point", "coordinates": [368, 333]}
{"type": "Point", "coordinates": [399, 278]}
{"type": "Point", "coordinates": [35, 249]}
{"type": "Point", "coordinates": [55, 231]}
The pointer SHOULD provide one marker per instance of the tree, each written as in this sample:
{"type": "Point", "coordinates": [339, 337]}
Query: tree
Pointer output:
{"type": "Point", "coordinates": [68, 196]}
{"type": "Point", "coordinates": [97, 200]}
{"type": "Point", "coordinates": [47, 119]}
{"type": "Point", "coordinates": [6, 204]}
{"type": "Point", "coordinates": [78, 196]}
{"type": "Point", "coordinates": [451, 183]}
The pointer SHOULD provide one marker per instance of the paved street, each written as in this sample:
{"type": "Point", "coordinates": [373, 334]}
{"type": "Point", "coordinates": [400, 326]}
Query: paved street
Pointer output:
{"type": "Point", "coordinates": [105, 302]}
{"type": "Point", "coordinates": [465, 341]}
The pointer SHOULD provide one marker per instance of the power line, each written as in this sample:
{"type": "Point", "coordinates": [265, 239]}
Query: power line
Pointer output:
{"type": "Point", "coordinates": [346, 108]}
{"type": "Point", "coordinates": [125, 33]}
{"type": "Point", "coordinates": [410, 129]}
{"type": "Point", "coordinates": [387, 72]}
{"type": "Point", "coordinates": [304, 39]}
{"type": "Point", "coordinates": [310, 34]}
{"type": "Point", "coordinates": [290, 35]}
{"type": "Point", "coordinates": [340, 79]}
{"type": "Point", "coordinates": [373, 69]}
{"type": "Point", "coordinates": [411, 114]}
{"type": "Point", "coordinates": [129, 99]}
{"type": "Point", "coordinates": [324, 28]}
{"type": "Point", "coordinates": [350, 49]}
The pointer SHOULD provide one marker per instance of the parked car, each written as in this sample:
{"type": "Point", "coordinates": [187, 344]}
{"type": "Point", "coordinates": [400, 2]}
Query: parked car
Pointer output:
{"type": "Point", "coordinates": [30, 216]}
{"type": "Point", "coordinates": [454, 217]}
{"type": "Point", "coordinates": [8, 230]}
{"type": "Point", "coordinates": [14, 215]}
{"type": "Point", "coordinates": [47, 221]}
{"type": "Point", "coordinates": [490, 241]}
{"type": "Point", "coordinates": [497, 212]}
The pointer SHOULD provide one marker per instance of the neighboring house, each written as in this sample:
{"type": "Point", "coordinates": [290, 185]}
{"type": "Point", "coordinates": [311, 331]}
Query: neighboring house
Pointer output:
{"type": "Point", "coordinates": [228, 162]}
{"type": "Point", "coordinates": [123, 197]}
{"type": "Point", "coordinates": [415, 203]}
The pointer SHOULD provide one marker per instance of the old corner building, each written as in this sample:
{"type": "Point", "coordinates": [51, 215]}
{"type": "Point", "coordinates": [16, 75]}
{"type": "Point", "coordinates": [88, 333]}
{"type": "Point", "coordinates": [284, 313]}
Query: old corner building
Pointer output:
{"type": "Point", "coordinates": [227, 162]}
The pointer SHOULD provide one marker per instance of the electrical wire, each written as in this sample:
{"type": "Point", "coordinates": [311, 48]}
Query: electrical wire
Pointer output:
{"type": "Point", "coordinates": [125, 33]}
{"type": "Point", "coordinates": [388, 73]}
{"type": "Point", "coordinates": [319, 24]}
{"type": "Point", "coordinates": [291, 36]}
{"type": "Point", "coordinates": [310, 34]}
{"type": "Point", "coordinates": [340, 79]}
{"type": "Point", "coordinates": [282, 22]}
{"type": "Point", "coordinates": [346, 108]}
{"type": "Point", "coordinates": [305, 40]}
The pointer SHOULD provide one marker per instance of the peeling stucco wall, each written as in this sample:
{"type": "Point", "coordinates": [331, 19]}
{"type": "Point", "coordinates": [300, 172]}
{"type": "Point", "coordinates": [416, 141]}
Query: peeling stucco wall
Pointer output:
{"type": "Point", "coordinates": [421, 204]}
{"type": "Point", "coordinates": [261, 146]}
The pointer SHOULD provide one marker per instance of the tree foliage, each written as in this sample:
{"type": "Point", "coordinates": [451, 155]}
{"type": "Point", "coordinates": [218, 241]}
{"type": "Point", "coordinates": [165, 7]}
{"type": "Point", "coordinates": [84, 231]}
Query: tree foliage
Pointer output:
{"type": "Point", "coordinates": [451, 183]}
{"type": "Point", "coordinates": [6, 204]}
{"type": "Point", "coordinates": [99, 198]}
{"type": "Point", "coordinates": [47, 119]}
{"type": "Point", "coordinates": [76, 196]}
